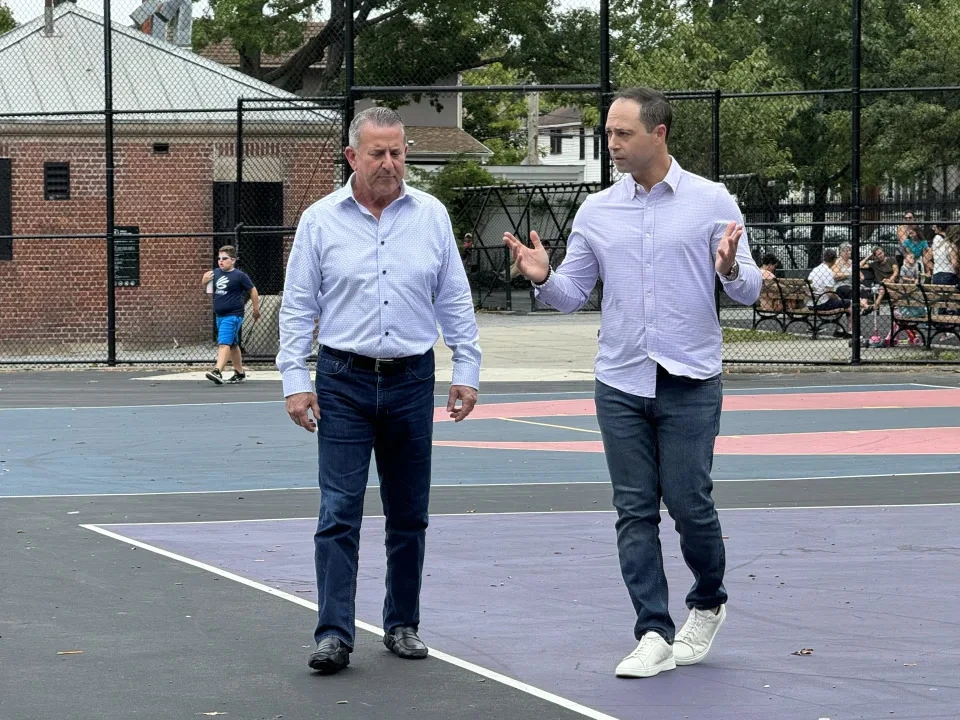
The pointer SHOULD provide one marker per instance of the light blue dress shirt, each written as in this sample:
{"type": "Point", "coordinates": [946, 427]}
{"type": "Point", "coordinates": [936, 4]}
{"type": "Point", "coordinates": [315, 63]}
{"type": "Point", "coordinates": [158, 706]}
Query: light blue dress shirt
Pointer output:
{"type": "Point", "coordinates": [379, 288]}
{"type": "Point", "coordinates": [655, 253]}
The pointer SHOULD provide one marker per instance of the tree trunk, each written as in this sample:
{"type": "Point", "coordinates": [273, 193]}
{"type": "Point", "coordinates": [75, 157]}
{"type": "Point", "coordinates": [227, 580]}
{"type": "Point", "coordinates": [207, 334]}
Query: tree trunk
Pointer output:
{"type": "Point", "coordinates": [815, 249]}
{"type": "Point", "coordinates": [250, 61]}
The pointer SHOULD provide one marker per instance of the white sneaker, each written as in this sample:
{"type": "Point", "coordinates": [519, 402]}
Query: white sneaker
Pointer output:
{"type": "Point", "coordinates": [696, 636]}
{"type": "Point", "coordinates": [653, 655]}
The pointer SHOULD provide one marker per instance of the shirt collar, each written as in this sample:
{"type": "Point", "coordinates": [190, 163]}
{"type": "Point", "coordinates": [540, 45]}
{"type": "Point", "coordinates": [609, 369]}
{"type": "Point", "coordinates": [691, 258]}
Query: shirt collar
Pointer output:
{"type": "Point", "coordinates": [672, 179]}
{"type": "Point", "coordinates": [346, 192]}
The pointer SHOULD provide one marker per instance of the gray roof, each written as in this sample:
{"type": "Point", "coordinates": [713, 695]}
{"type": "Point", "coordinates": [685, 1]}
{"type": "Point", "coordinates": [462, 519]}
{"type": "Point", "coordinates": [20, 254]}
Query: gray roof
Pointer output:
{"type": "Point", "coordinates": [64, 73]}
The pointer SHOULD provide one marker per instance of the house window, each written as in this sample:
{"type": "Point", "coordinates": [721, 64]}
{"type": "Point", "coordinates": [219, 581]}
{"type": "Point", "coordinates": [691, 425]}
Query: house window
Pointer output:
{"type": "Point", "coordinates": [556, 141]}
{"type": "Point", "coordinates": [583, 143]}
{"type": "Point", "coordinates": [596, 143]}
{"type": "Point", "coordinates": [6, 209]}
{"type": "Point", "coordinates": [56, 181]}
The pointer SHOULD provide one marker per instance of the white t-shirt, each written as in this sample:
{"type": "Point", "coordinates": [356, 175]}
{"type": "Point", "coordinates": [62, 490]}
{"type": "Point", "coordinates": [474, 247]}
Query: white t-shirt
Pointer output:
{"type": "Point", "coordinates": [822, 280]}
{"type": "Point", "coordinates": [941, 255]}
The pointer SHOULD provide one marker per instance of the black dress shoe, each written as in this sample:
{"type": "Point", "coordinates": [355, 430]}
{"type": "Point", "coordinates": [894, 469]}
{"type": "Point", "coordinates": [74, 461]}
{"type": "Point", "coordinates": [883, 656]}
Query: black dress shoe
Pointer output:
{"type": "Point", "coordinates": [332, 655]}
{"type": "Point", "coordinates": [404, 642]}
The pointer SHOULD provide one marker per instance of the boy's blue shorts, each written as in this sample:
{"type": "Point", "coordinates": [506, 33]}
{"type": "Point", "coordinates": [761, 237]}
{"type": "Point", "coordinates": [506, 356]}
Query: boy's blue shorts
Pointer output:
{"type": "Point", "coordinates": [228, 329]}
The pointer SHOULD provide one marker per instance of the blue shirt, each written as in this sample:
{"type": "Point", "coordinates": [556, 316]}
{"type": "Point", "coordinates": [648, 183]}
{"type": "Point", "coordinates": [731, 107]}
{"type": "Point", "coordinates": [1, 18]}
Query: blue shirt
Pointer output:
{"type": "Point", "coordinates": [655, 253]}
{"type": "Point", "coordinates": [228, 291]}
{"type": "Point", "coordinates": [379, 288]}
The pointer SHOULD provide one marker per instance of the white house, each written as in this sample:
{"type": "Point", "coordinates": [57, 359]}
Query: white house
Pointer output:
{"type": "Point", "coordinates": [565, 140]}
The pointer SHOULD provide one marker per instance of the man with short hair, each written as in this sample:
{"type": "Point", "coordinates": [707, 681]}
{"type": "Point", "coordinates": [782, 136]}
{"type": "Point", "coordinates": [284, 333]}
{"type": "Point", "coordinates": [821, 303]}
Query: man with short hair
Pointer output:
{"type": "Point", "coordinates": [229, 286]}
{"type": "Point", "coordinates": [659, 238]}
{"type": "Point", "coordinates": [377, 264]}
{"type": "Point", "coordinates": [823, 282]}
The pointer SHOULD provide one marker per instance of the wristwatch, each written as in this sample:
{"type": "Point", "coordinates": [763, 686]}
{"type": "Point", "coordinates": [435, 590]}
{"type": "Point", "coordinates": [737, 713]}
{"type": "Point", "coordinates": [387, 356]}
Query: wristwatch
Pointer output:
{"type": "Point", "coordinates": [734, 271]}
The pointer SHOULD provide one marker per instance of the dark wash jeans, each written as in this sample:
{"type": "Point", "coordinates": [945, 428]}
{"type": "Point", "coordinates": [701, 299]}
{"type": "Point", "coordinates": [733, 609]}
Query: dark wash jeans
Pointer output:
{"type": "Point", "coordinates": [392, 416]}
{"type": "Point", "coordinates": [663, 448]}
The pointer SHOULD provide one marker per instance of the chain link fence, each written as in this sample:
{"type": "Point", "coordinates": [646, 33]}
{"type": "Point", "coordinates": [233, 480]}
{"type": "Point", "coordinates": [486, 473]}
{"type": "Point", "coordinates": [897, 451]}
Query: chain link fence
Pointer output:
{"type": "Point", "coordinates": [119, 181]}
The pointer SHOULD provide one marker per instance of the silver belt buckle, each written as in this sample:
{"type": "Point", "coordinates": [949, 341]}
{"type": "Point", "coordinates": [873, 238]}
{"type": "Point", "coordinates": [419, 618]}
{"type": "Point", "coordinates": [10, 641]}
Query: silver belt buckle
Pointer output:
{"type": "Point", "coordinates": [376, 365]}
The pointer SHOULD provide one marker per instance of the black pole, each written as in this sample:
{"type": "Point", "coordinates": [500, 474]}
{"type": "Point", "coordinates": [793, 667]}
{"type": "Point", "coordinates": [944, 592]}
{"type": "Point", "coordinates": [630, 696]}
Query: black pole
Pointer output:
{"type": "Point", "coordinates": [715, 169]}
{"type": "Point", "coordinates": [109, 167]}
{"type": "Point", "coordinates": [856, 30]}
{"type": "Point", "coordinates": [715, 125]}
{"type": "Point", "coordinates": [238, 185]}
{"type": "Point", "coordinates": [349, 80]}
{"type": "Point", "coordinates": [605, 179]}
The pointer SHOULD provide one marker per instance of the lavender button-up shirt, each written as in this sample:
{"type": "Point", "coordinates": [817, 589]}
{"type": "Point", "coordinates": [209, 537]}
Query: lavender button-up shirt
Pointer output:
{"type": "Point", "coordinates": [655, 253]}
{"type": "Point", "coordinates": [379, 287]}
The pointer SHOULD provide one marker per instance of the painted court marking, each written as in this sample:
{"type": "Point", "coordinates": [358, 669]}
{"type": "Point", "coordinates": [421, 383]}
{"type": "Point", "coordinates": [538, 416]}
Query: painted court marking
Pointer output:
{"type": "Point", "coordinates": [439, 655]}
{"type": "Point", "coordinates": [793, 402]}
{"type": "Point", "coordinates": [902, 441]}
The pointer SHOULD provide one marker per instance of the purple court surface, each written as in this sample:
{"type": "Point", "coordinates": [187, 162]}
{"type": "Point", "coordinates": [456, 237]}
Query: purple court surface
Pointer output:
{"type": "Point", "coordinates": [538, 597]}
{"type": "Point", "coordinates": [158, 558]}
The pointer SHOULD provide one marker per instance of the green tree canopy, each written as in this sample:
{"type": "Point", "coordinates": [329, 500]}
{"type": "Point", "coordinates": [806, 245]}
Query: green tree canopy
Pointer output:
{"type": "Point", "coordinates": [7, 23]}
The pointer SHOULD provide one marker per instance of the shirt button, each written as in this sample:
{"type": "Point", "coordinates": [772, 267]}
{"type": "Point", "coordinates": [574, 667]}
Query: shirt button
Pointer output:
{"type": "Point", "coordinates": [384, 272]}
{"type": "Point", "coordinates": [381, 242]}
{"type": "Point", "coordinates": [386, 302]}
{"type": "Point", "coordinates": [387, 332]}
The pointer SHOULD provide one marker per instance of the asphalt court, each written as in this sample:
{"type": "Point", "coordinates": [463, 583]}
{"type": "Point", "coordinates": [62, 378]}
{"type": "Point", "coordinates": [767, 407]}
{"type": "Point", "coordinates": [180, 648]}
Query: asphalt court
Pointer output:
{"type": "Point", "coordinates": [165, 531]}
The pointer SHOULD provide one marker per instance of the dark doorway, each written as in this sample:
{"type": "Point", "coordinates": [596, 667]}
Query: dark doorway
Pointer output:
{"type": "Point", "coordinates": [260, 254]}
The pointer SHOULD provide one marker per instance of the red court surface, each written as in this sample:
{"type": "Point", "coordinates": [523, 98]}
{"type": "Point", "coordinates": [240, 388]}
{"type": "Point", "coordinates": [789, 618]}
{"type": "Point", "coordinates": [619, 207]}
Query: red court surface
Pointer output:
{"type": "Point", "coordinates": [903, 441]}
{"type": "Point", "coordinates": [938, 398]}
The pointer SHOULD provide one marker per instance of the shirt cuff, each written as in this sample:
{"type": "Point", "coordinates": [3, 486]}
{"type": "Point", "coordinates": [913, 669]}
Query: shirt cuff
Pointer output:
{"type": "Point", "coordinates": [466, 374]}
{"type": "Point", "coordinates": [297, 381]}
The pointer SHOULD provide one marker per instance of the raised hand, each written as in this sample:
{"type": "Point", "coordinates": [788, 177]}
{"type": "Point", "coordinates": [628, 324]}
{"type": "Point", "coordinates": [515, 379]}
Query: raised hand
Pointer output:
{"type": "Point", "coordinates": [727, 250]}
{"type": "Point", "coordinates": [533, 263]}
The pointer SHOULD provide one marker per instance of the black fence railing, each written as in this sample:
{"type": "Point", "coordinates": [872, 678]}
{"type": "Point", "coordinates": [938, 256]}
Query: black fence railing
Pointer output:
{"type": "Point", "coordinates": [138, 178]}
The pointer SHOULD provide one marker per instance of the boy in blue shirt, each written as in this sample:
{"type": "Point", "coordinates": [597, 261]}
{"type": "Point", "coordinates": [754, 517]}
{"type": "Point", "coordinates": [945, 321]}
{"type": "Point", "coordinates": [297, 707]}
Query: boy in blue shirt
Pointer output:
{"type": "Point", "coordinates": [228, 288]}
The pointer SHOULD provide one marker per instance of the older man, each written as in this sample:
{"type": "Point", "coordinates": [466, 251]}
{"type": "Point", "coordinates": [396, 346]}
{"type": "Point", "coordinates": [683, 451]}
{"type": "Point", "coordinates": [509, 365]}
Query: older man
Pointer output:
{"type": "Point", "coordinates": [376, 261]}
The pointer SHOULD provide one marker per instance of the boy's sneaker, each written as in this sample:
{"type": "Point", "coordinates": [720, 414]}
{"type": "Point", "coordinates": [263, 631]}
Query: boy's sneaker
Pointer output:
{"type": "Point", "coordinates": [652, 656]}
{"type": "Point", "coordinates": [696, 636]}
{"type": "Point", "coordinates": [237, 378]}
{"type": "Point", "coordinates": [215, 376]}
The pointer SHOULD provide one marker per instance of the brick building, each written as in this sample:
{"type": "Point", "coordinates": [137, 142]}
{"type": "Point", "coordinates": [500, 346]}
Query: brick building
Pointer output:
{"type": "Point", "coordinates": [175, 167]}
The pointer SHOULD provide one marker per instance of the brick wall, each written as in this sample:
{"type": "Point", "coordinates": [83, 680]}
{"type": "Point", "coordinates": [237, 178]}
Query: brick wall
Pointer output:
{"type": "Point", "coordinates": [54, 291]}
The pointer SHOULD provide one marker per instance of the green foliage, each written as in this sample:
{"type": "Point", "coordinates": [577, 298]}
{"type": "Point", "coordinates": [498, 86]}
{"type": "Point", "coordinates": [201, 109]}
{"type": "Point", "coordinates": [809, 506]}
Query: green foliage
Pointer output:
{"type": "Point", "coordinates": [7, 23]}
{"type": "Point", "coordinates": [498, 120]}
{"type": "Point", "coordinates": [457, 173]}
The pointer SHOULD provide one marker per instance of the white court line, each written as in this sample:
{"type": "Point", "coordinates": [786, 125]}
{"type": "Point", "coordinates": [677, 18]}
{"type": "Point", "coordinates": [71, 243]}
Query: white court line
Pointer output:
{"type": "Point", "coordinates": [730, 391]}
{"type": "Point", "coordinates": [739, 391]}
{"type": "Point", "coordinates": [471, 485]}
{"type": "Point", "coordinates": [940, 387]}
{"type": "Point", "coordinates": [520, 512]}
{"type": "Point", "coordinates": [256, 402]}
{"type": "Point", "coordinates": [471, 667]}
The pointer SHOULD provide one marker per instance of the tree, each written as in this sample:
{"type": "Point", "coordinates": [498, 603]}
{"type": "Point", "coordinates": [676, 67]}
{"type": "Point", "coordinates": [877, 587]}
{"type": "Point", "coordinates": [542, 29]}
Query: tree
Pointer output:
{"type": "Point", "coordinates": [760, 45]}
{"type": "Point", "coordinates": [7, 23]}
{"type": "Point", "coordinates": [498, 120]}
{"type": "Point", "coordinates": [398, 42]}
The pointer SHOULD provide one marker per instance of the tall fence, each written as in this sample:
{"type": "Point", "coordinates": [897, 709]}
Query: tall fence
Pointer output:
{"type": "Point", "coordinates": [127, 158]}
{"type": "Point", "coordinates": [798, 204]}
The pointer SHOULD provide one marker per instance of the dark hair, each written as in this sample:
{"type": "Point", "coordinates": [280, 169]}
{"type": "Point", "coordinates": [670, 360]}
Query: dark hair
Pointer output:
{"type": "Point", "coordinates": [770, 259]}
{"type": "Point", "coordinates": [829, 256]}
{"type": "Point", "coordinates": [229, 250]}
{"type": "Point", "coordinates": [654, 107]}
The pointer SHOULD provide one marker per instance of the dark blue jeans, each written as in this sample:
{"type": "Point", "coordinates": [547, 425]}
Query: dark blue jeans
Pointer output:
{"type": "Point", "coordinates": [662, 448]}
{"type": "Point", "coordinates": [362, 411]}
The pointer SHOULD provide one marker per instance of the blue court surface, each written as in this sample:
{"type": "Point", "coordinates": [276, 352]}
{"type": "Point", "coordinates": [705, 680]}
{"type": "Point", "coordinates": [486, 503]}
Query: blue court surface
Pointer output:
{"type": "Point", "coordinates": [162, 542]}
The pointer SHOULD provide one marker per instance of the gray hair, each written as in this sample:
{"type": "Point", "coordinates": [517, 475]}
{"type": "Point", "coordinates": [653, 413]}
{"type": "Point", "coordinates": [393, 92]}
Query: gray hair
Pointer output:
{"type": "Point", "coordinates": [381, 117]}
{"type": "Point", "coordinates": [654, 107]}
{"type": "Point", "coordinates": [845, 246]}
